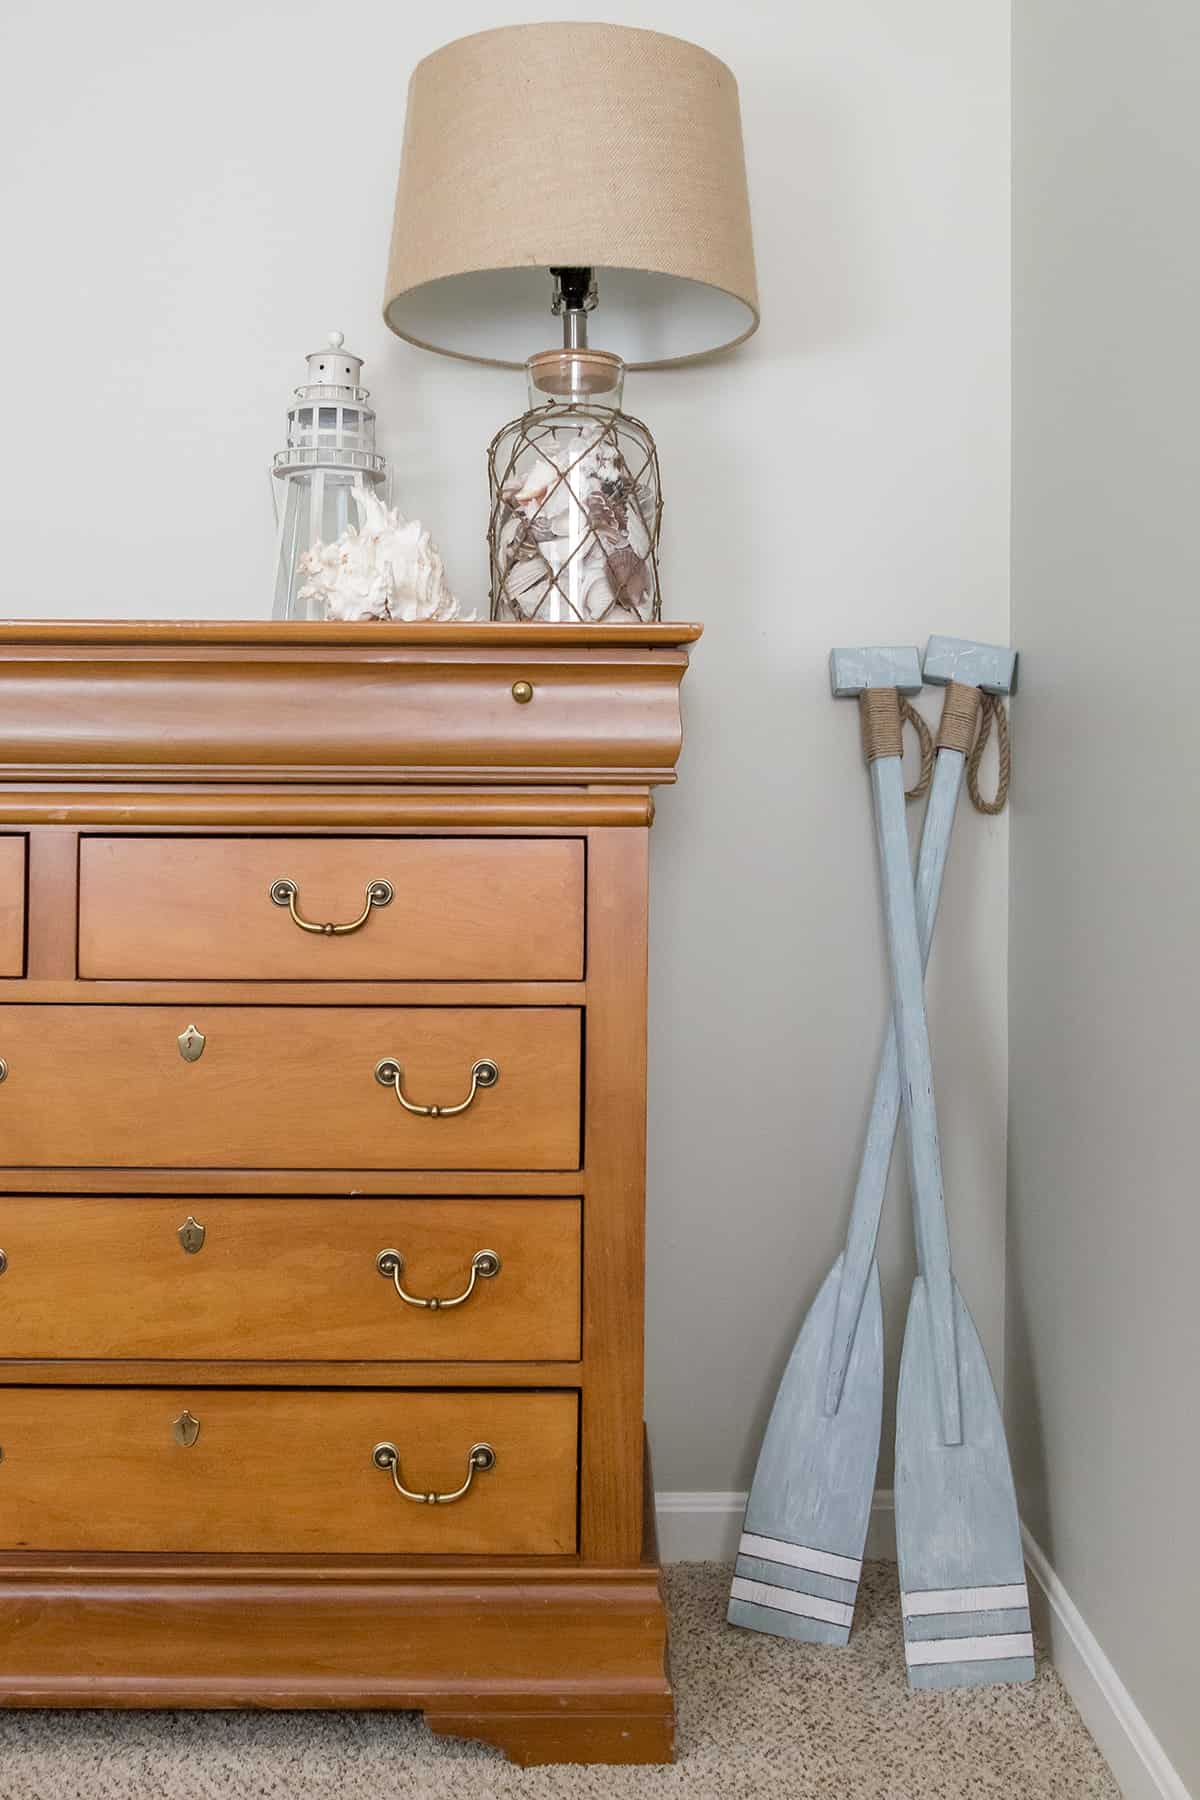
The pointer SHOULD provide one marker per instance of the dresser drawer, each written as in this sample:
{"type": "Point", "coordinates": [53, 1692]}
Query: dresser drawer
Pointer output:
{"type": "Point", "coordinates": [271, 1471]}
{"type": "Point", "coordinates": [12, 905]}
{"type": "Point", "coordinates": [293, 1279]}
{"type": "Point", "coordinates": [288, 1087]}
{"type": "Point", "coordinates": [460, 909]}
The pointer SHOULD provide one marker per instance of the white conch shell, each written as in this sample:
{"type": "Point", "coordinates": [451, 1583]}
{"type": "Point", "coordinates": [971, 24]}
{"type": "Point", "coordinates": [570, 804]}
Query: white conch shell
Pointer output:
{"type": "Point", "coordinates": [386, 568]}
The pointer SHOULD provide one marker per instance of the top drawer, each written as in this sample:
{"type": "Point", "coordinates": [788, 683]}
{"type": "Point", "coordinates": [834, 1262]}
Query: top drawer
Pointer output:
{"type": "Point", "coordinates": [461, 909]}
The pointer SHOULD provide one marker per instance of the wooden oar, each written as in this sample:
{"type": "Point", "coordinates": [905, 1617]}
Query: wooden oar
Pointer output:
{"type": "Point", "coordinates": [957, 664]}
{"type": "Point", "coordinates": [962, 1576]}
{"type": "Point", "coordinates": [809, 1506]}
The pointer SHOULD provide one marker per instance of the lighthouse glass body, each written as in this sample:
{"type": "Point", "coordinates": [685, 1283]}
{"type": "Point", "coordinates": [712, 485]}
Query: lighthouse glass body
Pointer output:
{"type": "Point", "coordinates": [330, 452]}
{"type": "Point", "coordinates": [576, 507]}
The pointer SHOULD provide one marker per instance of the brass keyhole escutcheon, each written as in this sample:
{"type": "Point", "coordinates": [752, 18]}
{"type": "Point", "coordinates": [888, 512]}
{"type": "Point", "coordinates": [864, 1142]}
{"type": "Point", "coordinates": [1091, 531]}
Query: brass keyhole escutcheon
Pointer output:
{"type": "Point", "coordinates": [185, 1429]}
{"type": "Point", "coordinates": [191, 1044]}
{"type": "Point", "coordinates": [191, 1235]}
{"type": "Point", "coordinates": [522, 692]}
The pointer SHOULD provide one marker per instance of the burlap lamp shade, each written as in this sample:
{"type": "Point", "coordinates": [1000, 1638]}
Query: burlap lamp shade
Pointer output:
{"type": "Point", "coordinates": [593, 146]}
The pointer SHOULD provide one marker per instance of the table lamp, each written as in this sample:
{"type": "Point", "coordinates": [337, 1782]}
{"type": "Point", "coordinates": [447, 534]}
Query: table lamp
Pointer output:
{"type": "Point", "coordinates": [554, 169]}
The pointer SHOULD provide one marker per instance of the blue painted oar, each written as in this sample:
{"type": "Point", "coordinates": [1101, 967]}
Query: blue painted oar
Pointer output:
{"type": "Point", "coordinates": [965, 669]}
{"type": "Point", "coordinates": [962, 1577]}
{"type": "Point", "coordinates": [809, 1506]}
{"type": "Point", "coordinates": [867, 675]}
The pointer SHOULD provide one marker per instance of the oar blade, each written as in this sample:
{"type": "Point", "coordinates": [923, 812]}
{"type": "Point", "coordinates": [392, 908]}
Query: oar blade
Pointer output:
{"type": "Point", "coordinates": [800, 1555]}
{"type": "Point", "coordinates": [958, 1539]}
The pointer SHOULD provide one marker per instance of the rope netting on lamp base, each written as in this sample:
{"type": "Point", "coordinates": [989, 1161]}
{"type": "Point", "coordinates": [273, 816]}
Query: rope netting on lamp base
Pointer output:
{"type": "Point", "coordinates": [576, 512]}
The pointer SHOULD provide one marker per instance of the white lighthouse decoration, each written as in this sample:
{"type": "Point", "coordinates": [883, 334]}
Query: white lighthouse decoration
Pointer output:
{"type": "Point", "coordinates": [330, 452]}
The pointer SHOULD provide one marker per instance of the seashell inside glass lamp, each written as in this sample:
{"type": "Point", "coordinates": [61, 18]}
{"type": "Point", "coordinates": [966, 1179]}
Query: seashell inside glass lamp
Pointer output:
{"type": "Point", "coordinates": [387, 567]}
{"type": "Point", "coordinates": [576, 507]}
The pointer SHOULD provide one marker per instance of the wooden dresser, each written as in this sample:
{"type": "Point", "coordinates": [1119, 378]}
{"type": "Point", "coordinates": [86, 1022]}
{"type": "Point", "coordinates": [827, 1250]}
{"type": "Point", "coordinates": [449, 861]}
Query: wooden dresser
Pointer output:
{"type": "Point", "coordinates": [323, 957]}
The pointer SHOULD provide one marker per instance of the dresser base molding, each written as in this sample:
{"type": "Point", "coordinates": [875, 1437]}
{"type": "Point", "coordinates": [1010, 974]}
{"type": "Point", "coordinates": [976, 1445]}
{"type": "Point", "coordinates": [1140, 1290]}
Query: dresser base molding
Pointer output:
{"type": "Point", "coordinates": [564, 1664]}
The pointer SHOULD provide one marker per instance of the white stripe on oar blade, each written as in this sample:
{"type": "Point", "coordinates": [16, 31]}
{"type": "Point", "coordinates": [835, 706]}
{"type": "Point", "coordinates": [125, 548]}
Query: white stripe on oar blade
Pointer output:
{"type": "Point", "coordinates": [798, 1556]}
{"type": "Point", "coordinates": [963, 1600]}
{"type": "Point", "coordinates": [808, 1606]}
{"type": "Point", "coordinates": [970, 1649]}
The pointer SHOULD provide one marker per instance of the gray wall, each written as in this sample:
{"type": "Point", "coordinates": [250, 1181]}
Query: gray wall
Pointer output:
{"type": "Point", "coordinates": [208, 191]}
{"type": "Point", "coordinates": [1104, 1252]}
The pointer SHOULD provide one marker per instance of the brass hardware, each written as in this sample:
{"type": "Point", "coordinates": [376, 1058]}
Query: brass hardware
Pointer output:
{"type": "Point", "coordinates": [3, 1069]}
{"type": "Point", "coordinates": [286, 893]}
{"type": "Point", "coordinates": [522, 692]}
{"type": "Point", "coordinates": [484, 1264]}
{"type": "Point", "coordinates": [484, 1074]}
{"type": "Point", "coordinates": [191, 1235]}
{"type": "Point", "coordinates": [191, 1044]}
{"type": "Point", "coordinates": [185, 1429]}
{"type": "Point", "coordinates": [3, 1261]}
{"type": "Point", "coordinates": [480, 1458]}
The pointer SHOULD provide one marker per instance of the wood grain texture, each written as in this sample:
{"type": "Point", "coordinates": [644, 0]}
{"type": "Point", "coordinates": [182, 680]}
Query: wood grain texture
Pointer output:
{"type": "Point", "coordinates": [330, 639]}
{"type": "Point", "coordinates": [12, 905]}
{"type": "Point", "coordinates": [253, 808]}
{"type": "Point", "coordinates": [110, 1278]}
{"type": "Point", "coordinates": [549, 1663]}
{"type": "Point", "coordinates": [397, 707]}
{"type": "Point", "coordinates": [288, 1086]}
{"type": "Point", "coordinates": [611, 1505]}
{"type": "Point", "coordinates": [279, 1139]}
{"type": "Point", "coordinates": [550, 1659]}
{"type": "Point", "coordinates": [507, 909]}
{"type": "Point", "coordinates": [51, 923]}
{"type": "Point", "coordinates": [270, 1471]}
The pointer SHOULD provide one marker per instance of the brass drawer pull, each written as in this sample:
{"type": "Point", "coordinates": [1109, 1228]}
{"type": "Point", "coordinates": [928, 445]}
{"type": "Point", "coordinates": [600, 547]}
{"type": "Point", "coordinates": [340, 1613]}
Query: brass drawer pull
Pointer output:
{"type": "Point", "coordinates": [286, 893]}
{"type": "Point", "coordinates": [480, 1458]}
{"type": "Point", "coordinates": [484, 1074]}
{"type": "Point", "coordinates": [484, 1264]}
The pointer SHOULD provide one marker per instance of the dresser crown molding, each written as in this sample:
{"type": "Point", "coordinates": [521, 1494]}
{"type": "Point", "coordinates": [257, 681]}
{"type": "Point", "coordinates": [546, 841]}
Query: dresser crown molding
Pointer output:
{"type": "Point", "coordinates": [401, 704]}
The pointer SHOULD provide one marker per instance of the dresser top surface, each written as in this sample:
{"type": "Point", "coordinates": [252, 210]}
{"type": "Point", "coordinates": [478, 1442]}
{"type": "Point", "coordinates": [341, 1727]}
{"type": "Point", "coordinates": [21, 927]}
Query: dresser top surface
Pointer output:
{"type": "Point", "coordinates": [265, 633]}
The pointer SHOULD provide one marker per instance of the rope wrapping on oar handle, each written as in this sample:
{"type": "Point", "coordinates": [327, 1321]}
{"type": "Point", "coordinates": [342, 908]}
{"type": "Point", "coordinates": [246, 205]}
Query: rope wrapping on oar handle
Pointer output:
{"type": "Point", "coordinates": [960, 717]}
{"type": "Point", "coordinates": [882, 715]}
{"type": "Point", "coordinates": [992, 708]}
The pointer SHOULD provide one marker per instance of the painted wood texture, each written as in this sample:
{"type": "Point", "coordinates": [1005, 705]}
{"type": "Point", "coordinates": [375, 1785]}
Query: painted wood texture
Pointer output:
{"type": "Point", "coordinates": [282, 1087]}
{"type": "Point", "coordinates": [958, 1539]}
{"type": "Point", "coordinates": [12, 905]}
{"type": "Point", "coordinates": [809, 1505]}
{"type": "Point", "coordinates": [101, 1469]}
{"type": "Point", "coordinates": [95, 1278]}
{"type": "Point", "coordinates": [916, 1083]}
{"type": "Point", "coordinates": [462, 910]}
{"type": "Point", "coordinates": [884, 1116]}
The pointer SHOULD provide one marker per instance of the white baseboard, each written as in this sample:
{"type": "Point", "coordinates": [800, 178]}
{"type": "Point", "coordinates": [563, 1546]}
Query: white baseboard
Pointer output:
{"type": "Point", "coordinates": [699, 1527]}
{"type": "Point", "coordinates": [1141, 1766]}
{"type": "Point", "coordinates": [706, 1527]}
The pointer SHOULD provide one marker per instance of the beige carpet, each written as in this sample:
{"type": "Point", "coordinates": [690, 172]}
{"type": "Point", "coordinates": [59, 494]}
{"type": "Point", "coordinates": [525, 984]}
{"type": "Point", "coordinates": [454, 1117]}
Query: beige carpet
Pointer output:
{"type": "Point", "coordinates": [757, 1716]}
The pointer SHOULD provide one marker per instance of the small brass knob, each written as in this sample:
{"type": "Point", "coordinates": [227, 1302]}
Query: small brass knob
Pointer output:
{"type": "Point", "coordinates": [522, 692]}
